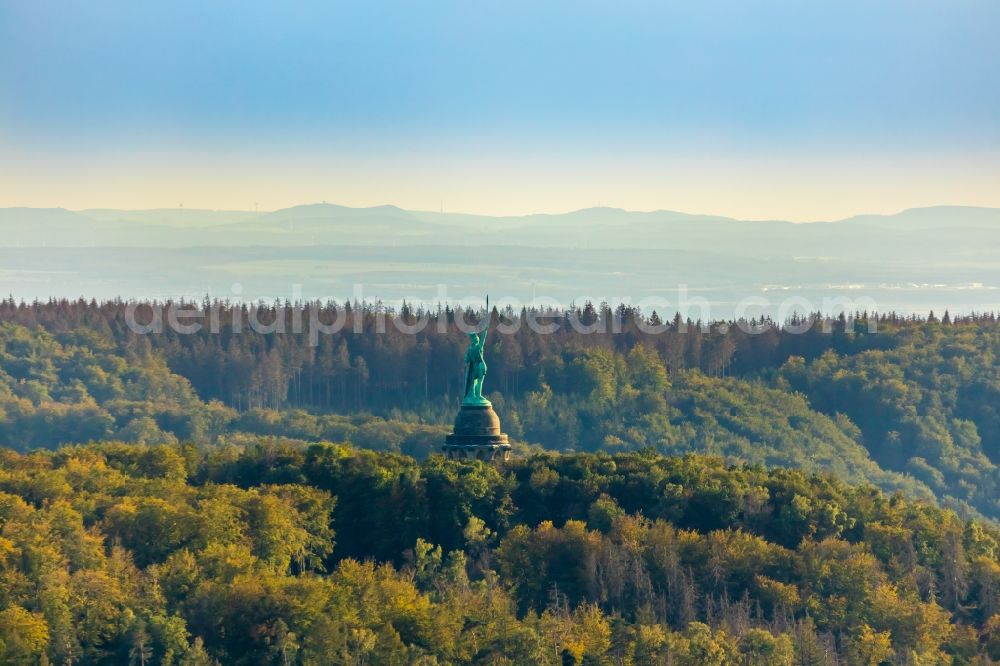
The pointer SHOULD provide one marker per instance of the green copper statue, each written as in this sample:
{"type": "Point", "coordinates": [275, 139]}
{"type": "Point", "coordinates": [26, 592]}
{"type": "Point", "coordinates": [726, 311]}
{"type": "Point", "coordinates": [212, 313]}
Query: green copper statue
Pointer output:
{"type": "Point", "coordinates": [477, 431]}
{"type": "Point", "coordinates": [475, 370]}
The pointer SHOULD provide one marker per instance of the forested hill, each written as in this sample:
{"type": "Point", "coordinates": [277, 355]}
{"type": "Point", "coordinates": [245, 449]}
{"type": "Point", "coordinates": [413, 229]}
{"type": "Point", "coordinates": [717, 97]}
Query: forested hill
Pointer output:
{"type": "Point", "coordinates": [904, 403]}
{"type": "Point", "coordinates": [193, 511]}
{"type": "Point", "coordinates": [324, 554]}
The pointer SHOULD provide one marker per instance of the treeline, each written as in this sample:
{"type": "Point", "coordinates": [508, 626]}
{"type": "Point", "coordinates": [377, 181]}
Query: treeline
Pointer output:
{"type": "Point", "coordinates": [370, 364]}
{"type": "Point", "coordinates": [285, 553]}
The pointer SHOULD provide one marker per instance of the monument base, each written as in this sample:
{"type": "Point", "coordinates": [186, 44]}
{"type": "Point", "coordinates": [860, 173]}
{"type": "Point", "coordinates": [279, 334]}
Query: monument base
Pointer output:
{"type": "Point", "coordinates": [477, 435]}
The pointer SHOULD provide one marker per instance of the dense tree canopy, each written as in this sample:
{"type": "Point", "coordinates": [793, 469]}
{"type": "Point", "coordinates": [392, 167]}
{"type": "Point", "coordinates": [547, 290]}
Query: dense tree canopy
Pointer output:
{"type": "Point", "coordinates": [324, 554]}
{"type": "Point", "coordinates": [904, 403]}
{"type": "Point", "coordinates": [187, 510]}
{"type": "Point", "coordinates": [170, 554]}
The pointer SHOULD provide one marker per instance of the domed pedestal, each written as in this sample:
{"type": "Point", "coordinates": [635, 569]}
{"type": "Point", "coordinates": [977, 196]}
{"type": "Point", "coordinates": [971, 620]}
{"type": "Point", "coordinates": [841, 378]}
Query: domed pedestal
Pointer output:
{"type": "Point", "coordinates": [477, 434]}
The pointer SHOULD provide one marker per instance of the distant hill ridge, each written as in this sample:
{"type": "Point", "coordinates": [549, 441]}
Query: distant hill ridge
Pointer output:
{"type": "Point", "coordinates": [981, 213]}
{"type": "Point", "coordinates": [942, 215]}
{"type": "Point", "coordinates": [324, 223]}
{"type": "Point", "coordinates": [898, 260]}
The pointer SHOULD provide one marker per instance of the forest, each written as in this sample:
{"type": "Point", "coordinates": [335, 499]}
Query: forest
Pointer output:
{"type": "Point", "coordinates": [821, 491]}
{"type": "Point", "coordinates": [291, 553]}
{"type": "Point", "coordinates": [904, 403]}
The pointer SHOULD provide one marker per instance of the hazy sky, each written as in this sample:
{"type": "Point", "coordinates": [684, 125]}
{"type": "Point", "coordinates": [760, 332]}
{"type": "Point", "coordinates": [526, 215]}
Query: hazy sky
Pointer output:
{"type": "Point", "coordinates": [805, 109]}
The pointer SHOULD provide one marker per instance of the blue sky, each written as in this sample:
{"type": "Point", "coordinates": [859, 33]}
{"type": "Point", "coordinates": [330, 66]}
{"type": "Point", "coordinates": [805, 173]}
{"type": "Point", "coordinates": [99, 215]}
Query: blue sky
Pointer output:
{"type": "Point", "coordinates": [804, 109]}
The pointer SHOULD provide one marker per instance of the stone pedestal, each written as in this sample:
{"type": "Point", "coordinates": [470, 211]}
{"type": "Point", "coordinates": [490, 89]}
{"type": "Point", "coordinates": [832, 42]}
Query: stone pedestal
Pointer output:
{"type": "Point", "coordinates": [477, 434]}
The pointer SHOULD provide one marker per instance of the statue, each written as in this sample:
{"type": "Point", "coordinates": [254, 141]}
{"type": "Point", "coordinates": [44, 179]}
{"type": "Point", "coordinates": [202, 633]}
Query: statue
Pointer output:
{"type": "Point", "coordinates": [477, 427]}
{"type": "Point", "coordinates": [475, 368]}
